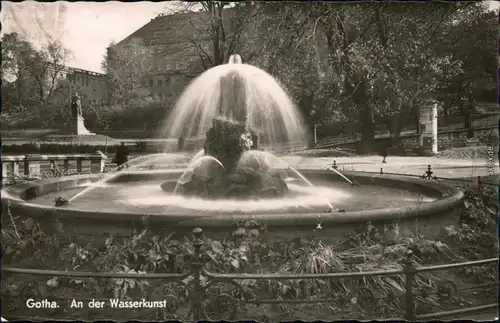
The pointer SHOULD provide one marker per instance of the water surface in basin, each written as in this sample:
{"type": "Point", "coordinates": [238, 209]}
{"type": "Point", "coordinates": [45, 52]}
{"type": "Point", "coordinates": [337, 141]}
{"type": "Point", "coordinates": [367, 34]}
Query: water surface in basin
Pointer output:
{"type": "Point", "coordinates": [148, 198]}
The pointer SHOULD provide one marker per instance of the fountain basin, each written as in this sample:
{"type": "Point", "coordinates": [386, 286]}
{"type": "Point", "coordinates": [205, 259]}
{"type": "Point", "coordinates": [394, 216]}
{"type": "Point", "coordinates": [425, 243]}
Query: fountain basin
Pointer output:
{"type": "Point", "coordinates": [381, 199]}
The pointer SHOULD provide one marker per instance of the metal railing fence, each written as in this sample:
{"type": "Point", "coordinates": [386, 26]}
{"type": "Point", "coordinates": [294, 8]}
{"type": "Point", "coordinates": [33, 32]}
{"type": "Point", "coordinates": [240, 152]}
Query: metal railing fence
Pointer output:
{"type": "Point", "coordinates": [227, 304]}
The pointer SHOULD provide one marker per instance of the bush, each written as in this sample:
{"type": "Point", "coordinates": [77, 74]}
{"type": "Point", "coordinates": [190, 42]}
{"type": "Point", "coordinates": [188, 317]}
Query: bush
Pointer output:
{"type": "Point", "coordinates": [41, 148]}
{"type": "Point", "coordinates": [140, 147]}
{"type": "Point", "coordinates": [117, 118]}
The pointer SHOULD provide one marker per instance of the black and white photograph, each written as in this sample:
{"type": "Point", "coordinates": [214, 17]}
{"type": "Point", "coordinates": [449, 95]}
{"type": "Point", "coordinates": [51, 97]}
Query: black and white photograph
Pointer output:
{"type": "Point", "coordinates": [250, 161]}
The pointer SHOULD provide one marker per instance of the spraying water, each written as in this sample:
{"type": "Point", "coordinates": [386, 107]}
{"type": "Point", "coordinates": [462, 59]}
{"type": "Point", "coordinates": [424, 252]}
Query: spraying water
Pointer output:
{"type": "Point", "coordinates": [240, 92]}
{"type": "Point", "coordinates": [205, 166]}
{"type": "Point", "coordinates": [330, 206]}
{"type": "Point", "coordinates": [198, 155]}
{"type": "Point", "coordinates": [235, 59]}
{"type": "Point", "coordinates": [342, 175]}
{"type": "Point", "coordinates": [257, 159]}
{"type": "Point", "coordinates": [134, 163]}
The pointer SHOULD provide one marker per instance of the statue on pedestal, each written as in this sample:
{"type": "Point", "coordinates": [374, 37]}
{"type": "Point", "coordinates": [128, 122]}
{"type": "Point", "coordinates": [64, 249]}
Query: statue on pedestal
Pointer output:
{"type": "Point", "coordinates": [76, 123]}
{"type": "Point", "coordinates": [76, 106]}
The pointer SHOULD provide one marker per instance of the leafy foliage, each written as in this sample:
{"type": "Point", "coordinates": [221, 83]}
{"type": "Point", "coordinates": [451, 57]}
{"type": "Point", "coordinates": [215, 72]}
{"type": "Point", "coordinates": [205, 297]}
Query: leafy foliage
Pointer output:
{"type": "Point", "coordinates": [369, 63]}
{"type": "Point", "coordinates": [31, 82]}
{"type": "Point", "coordinates": [214, 30]}
{"type": "Point", "coordinates": [128, 67]}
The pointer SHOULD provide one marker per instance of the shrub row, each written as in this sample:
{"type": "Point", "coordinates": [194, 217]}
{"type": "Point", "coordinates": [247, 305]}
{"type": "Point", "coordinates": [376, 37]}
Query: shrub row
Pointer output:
{"type": "Point", "coordinates": [137, 147]}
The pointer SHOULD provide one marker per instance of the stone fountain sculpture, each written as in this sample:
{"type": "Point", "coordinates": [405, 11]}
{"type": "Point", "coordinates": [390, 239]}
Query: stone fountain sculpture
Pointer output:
{"type": "Point", "coordinates": [222, 172]}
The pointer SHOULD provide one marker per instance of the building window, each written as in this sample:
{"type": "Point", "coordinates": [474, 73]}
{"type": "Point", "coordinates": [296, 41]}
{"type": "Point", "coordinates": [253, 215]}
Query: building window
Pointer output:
{"type": "Point", "coordinates": [87, 80]}
{"type": "Point", "coordinates": [159, 82]}
{"type": "Point", "coordinates": [151, 83]}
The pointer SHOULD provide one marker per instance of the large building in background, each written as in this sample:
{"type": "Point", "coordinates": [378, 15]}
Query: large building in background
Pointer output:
{"type": "Point", "coordinates": [90, 86]}
{"type": "Point", "coordinates": [166, 36]}
{"type": "Point", "coordinates": [177, 42]}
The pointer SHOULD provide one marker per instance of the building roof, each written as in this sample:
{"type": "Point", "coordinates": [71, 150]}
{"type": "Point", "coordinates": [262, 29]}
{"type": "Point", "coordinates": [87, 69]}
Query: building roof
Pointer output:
{"type": "Point", "coordinates": [148, 31]}
{"type": "Point", "coordinates": [155, 32]}
{"type": "Point", "coordinates": [82, 71]}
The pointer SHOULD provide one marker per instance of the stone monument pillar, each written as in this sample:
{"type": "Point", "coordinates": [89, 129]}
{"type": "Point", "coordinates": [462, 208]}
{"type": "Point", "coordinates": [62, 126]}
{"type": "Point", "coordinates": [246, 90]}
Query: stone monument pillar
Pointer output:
{"type": "Point", "coordinates": [429, 128]}
{"type": "Point", "coordinates": [76, 124]}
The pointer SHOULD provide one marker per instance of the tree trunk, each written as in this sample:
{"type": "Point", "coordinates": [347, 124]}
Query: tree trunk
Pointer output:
{"type": "Point", "coordinates": [367, 128]}
{"type": "Point", "coordinates": [366, 120]}
{"type": "Point", "coordinates": [469, 110]}
{"type": "Point", "coordinates": [399, 121]}
{"type": "Point", "coordinates": [468, 124]}
{"type": "Point", "coordinates": [395, 128]}
{"type": "Point", "coordinates": [216, 29]}
{"type": "Point", "coordinates": [446, 108]}
{"type": "Point", "coordinates": [310, 136]}
{"type": "Point", "coordinates": [306, 104]}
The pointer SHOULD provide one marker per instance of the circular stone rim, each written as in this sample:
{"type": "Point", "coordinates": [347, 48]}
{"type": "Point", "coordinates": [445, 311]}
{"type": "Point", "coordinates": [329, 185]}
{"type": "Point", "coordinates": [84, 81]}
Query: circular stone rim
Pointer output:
{"type": "Point", "coordinates": [16, 198]}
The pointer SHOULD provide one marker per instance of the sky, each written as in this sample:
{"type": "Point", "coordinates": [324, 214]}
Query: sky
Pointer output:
{"type": "Point", "coordinates": [85, 28]}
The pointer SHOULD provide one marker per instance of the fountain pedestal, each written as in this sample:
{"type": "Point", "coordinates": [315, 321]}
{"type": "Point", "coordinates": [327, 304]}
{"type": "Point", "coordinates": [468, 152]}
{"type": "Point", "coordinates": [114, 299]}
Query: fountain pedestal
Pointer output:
{"type": "Point", "coordinates": [227, 141]}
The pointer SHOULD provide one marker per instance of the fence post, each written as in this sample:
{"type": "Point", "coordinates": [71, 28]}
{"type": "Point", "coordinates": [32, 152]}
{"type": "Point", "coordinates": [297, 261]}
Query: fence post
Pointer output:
{"type": "Point", "coordinates": [409, 272]}
{"type": "Point", "coordinates": [180, 143]}
{"type": "Point", "coordinates": [79, 167]}
{"type": "Point", "coordinates": [197, 265]}
{"type": "Point", "coordinates": [315, 134]}
{"type": "Point", "coordinates": [97, 163]}
{"type": "Point", "coordinates": [32, 165]}
{"type": "Point", "coordinates": [15, 168]}
{"type": "Point", "coordinates": [26, 166]}
{"type": "Point", "coordinates": [5, 170]}
{"type": "Point", "coordinates": [52, 165]}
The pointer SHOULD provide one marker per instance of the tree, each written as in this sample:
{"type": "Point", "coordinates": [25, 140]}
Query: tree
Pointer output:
{"type": "Point", "coordinates": [295, 51]}
{"type": "Point", "coordinates": [214, 30]}
{"type": "Point", "coordinates": [129, 67]}
{"type": "Point", "coordinates": [16, 81]}
{"type": "Point", "coordinates": [340, 32]}
{"type": "Point", "coordinates": [471, 43]}
{"type": "Point", "coordinates": [46, 67]}
{"type": "Point", "coordinates": [412, 69]}
{"type": "Point", "coordinates": [30, 79]}
{"type": "Point", "coordinates": [370, 63]}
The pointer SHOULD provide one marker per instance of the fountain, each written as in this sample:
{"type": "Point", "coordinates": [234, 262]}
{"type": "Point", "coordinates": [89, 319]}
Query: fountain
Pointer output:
{"type": "Point", "coordinates": [241, 113]}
